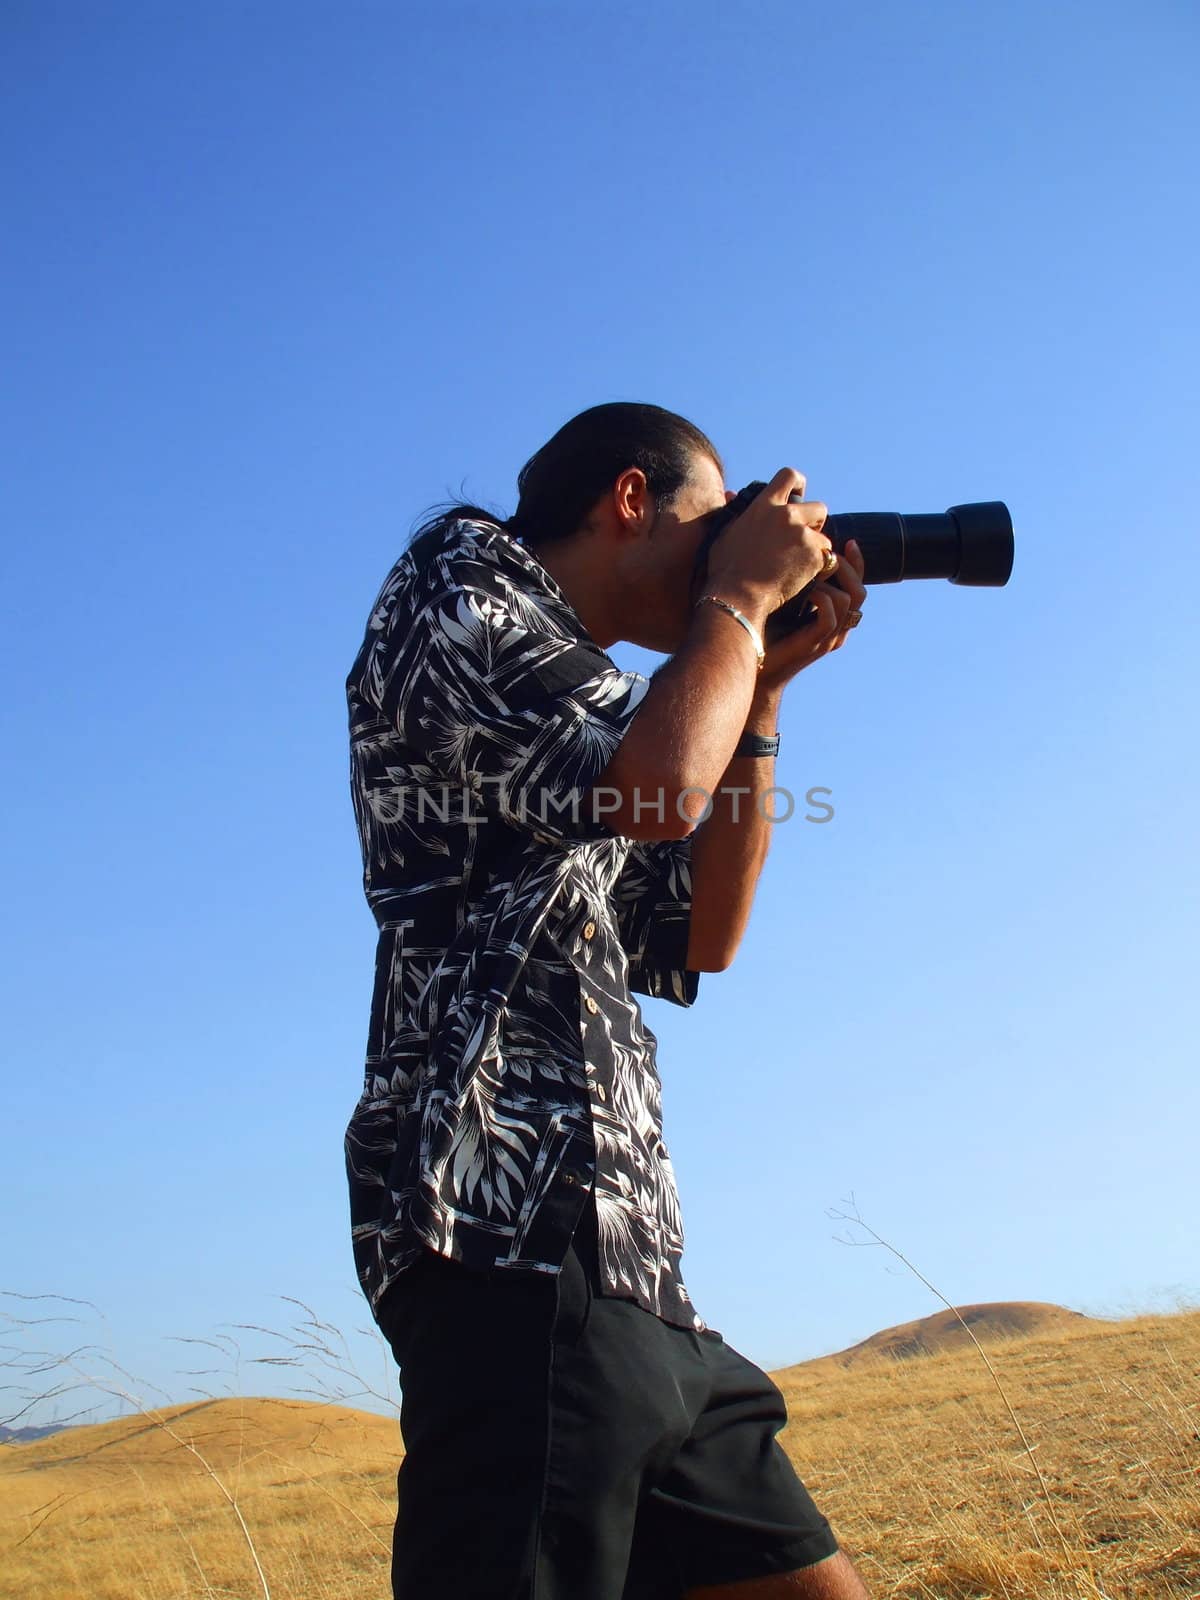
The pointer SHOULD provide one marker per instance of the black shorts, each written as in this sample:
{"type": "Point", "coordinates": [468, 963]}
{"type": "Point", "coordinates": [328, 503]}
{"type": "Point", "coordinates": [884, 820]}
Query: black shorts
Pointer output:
{"type": "Point", "coordinates": [563, 1445]}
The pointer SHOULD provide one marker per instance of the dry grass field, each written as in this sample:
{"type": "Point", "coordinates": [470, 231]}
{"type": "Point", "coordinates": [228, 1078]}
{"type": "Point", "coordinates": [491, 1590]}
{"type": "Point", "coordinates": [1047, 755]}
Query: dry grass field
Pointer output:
{"type": "Point", "coordinates": [918, 1464]}
{"type": "Point", "coordinates": [921, 1470]}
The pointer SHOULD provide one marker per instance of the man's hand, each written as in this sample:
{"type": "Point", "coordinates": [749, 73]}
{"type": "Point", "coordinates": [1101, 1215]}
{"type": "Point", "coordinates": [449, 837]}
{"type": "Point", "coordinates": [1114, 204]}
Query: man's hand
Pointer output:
{"type": "Point", "coordinates": [834, 600]}
{"type": "Point", "coordinates": [772, 550]}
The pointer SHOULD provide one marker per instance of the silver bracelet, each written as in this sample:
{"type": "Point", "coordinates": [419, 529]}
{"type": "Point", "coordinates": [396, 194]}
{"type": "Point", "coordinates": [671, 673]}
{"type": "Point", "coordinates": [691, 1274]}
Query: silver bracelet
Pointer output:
{"type": "Point", "coordinates": [755, 637]}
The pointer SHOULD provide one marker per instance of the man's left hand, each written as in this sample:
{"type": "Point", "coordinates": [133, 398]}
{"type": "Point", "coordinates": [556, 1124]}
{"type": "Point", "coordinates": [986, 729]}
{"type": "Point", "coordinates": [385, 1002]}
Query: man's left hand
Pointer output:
{"type": "Point", "coordinates": [834, 600]}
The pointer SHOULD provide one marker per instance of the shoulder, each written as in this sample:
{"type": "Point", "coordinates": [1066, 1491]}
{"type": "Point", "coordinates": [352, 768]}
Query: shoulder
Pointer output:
{"type": "Point", "coordinates": [465, 554]}
{"type": "Point", "coordinates": [467, 547]}
{"type": "Point", "coordinates": [478, 566]}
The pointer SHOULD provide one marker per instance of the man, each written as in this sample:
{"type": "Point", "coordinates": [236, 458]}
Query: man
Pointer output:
{"type": "Point", "coordinates": [543, 837]}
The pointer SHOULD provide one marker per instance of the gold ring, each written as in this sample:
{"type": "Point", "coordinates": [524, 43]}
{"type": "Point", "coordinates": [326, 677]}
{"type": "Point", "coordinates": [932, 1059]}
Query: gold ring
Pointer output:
{"type": "Point", "coordinates": [829, 563]}
{"type": "Point", "coordinates": [852, 619]}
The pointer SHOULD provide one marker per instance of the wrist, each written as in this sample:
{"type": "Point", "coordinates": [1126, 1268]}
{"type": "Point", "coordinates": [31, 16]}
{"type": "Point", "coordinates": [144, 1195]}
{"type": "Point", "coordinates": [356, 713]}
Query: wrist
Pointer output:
{"type": "Point", "coordinates": [708, 601]}
{"type": "Point", "coordinates": [753, 602]}
{"type": "Point", "coordinates": [763, 716]}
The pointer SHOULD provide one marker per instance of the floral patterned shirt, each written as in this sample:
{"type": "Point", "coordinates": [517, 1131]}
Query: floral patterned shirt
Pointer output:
{"type": "Point", "coordinates": [508, 1066]}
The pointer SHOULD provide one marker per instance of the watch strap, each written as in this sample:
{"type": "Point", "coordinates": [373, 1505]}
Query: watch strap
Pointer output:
{"type": "Point", "coordinates": [757, 744]}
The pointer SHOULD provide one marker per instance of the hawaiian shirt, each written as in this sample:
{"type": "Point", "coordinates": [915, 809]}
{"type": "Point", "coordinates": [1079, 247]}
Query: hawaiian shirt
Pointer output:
{"type": "Point", "coordinates": [509, 1069]}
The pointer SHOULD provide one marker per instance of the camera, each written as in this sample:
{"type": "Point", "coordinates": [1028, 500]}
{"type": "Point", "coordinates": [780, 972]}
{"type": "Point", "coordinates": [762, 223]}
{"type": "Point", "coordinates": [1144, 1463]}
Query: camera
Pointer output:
{"type": "Point", "coordinates": [968, 544]}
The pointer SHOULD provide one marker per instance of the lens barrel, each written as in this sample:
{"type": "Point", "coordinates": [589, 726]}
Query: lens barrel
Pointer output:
{"type": "Point", "coordinates": [969, 544]}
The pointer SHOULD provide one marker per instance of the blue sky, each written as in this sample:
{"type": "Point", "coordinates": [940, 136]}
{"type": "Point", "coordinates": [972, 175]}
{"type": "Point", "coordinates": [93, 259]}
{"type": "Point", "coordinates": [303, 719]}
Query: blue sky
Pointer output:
{"type": "Point", "coordinates": [278, 278]}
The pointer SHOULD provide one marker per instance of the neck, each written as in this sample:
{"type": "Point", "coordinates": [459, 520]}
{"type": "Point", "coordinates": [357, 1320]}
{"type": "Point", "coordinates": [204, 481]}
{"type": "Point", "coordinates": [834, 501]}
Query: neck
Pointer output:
{"type": "Point", "coordinates": [577, 564]}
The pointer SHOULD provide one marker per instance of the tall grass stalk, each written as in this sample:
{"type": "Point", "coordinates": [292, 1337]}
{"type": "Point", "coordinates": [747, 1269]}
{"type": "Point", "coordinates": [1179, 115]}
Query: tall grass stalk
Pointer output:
{"type": "Point", "coordinates": [854, 1216]}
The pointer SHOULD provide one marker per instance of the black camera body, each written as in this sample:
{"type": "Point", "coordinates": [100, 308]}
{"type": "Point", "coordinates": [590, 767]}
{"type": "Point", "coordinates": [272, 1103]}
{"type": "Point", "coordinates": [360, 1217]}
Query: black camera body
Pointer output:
{"type": "Point", "coordinates": [969, 544]}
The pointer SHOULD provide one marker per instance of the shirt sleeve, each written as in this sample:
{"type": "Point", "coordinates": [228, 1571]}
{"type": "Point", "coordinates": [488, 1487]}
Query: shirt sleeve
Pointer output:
{"type": "Point", "coordinates": [654, 912]}
{"type": "Point", "coordinates": [500, 697]}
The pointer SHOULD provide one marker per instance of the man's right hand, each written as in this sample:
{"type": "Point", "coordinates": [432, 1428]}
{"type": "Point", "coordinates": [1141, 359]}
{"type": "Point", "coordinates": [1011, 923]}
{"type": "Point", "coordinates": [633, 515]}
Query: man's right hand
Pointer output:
{"type": "Point", "coordinates": [772, 550]}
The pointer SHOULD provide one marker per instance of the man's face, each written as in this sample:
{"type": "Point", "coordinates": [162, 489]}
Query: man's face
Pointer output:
{"type": "Point", "coordinates": [669, 556]}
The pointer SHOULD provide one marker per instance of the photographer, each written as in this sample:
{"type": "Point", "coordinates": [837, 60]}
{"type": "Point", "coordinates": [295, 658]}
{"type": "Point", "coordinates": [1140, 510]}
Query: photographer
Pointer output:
{"type": "Point", "coordinates": [543, 837]}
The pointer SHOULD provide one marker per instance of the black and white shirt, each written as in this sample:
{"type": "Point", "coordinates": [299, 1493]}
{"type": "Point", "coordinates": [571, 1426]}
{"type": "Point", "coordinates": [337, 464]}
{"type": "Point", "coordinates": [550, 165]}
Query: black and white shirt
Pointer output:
{"type": "Point", "coordinates": [508, 1065]}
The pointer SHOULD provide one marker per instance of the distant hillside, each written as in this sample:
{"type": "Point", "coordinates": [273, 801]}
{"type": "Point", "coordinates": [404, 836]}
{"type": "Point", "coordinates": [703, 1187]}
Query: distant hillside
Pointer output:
{"type": "Point", "coordinates": [223, 1433]}
{"type": "Point", "coordinates": [28, 1435]}
{"type": "Point", "coordinates": [999, 1319]}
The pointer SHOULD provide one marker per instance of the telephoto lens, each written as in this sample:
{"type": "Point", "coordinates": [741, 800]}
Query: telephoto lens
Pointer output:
{"type": "Point", "coordinates": [969, 544]}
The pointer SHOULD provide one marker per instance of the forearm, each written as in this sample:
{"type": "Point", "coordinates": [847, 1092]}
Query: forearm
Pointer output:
{"type": "Point", "coordinates": [729, 848]}
{"type": "Point", "coordinates": [678, 746]}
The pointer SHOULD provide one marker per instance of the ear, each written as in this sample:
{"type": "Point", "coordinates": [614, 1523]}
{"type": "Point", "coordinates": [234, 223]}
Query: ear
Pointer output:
{"type": "Point", "coordinates": [633, 502]}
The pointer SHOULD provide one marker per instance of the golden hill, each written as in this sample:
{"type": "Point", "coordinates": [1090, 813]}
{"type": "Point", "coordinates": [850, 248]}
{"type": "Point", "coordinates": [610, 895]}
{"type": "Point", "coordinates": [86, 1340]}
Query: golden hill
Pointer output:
{"type": "Point", "coordinates": [998, 1319]}
{"type": "Point", "coordinates": [226, 1435]}
{"type": "Point", "coordinates": [917, 1463]}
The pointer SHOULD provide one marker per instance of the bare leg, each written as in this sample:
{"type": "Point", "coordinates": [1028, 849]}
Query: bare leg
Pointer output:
{"type": "Point", "coordinates": [832, 1579]}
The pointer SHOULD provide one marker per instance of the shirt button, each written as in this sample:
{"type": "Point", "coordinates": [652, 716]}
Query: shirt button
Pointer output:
{"type": "Point", "coordinates": [600, 1091]}
{"type": "Point", "coordinates": [591, 1004]}
{"type": "Point", "coordinates": [589, 930]}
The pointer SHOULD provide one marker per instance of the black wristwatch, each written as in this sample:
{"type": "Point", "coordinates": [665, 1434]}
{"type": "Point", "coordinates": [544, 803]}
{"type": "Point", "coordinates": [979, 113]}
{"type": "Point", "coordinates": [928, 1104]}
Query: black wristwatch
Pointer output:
{"type": "Point", "coordinates": [757, 744]}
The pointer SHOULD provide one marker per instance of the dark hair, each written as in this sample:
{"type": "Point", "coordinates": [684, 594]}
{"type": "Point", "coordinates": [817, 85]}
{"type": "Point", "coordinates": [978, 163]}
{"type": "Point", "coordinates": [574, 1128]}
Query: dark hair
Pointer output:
{"type": "Point", "coordinates": [562, 481]}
